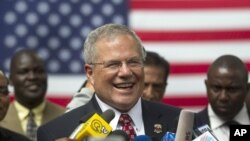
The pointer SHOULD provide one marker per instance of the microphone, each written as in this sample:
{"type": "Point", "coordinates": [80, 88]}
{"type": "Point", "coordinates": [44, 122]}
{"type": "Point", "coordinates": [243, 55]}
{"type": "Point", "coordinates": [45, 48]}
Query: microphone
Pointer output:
{"type": "Point", "coordinates": [142, 138]}
{"type": "Point", "coordinates": [169, 136]}
{"type": "Point", "coordinates": [185, 126]}
{"type": "Point", "coordinates": [117, 135]}
{"type": "Point", "coordinates": [204, 133]}
{"type": "Point", "coordinates": [96, 126]}
{"type": "Point", "coordinates": [207, 136]}
{"type": "Point", "coordinates": [202, 129]}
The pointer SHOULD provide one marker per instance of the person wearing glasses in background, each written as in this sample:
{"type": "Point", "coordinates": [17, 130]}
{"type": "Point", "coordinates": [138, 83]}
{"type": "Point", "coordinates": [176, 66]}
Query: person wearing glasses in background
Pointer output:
{"type": "Point", "coordinates": [114, 56]}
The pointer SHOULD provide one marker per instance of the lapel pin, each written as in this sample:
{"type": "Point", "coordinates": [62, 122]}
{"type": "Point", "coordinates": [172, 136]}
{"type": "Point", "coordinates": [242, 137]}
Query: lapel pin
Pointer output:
{"type": "Point", "coordinates": [158, 128]}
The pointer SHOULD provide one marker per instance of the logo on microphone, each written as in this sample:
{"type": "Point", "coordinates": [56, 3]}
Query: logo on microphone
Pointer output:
{"type": "Point", "coordinates": [97, 126]}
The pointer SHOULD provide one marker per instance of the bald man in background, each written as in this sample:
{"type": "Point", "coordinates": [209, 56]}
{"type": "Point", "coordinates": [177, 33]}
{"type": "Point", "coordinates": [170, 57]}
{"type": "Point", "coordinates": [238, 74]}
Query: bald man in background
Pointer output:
{"type": "Point", "coordinates": [227, 87]}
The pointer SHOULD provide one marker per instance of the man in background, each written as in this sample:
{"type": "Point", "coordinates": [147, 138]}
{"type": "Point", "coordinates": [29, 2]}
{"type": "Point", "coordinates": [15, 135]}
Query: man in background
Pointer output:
{"type": "Point", "coordinates": [28, 76]}
{"type": "Point", "coordinates": [156, 70]}
{"type": "Point", "coordinates": [82, 97]}
{"type": "Point", "coordinates": [227, 87]}
{"type": "Point", "coordinates": [5, 134]}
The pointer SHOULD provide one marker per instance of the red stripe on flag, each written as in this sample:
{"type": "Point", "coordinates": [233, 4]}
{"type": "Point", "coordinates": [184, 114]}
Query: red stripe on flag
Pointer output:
{"type": "Point", "coordinates": [186, 101]}
{"type": "Point", "coordinates": [184, 36]}
{"type": "Point", "coordinates": [190, 4]}
{"type": "Point", "coordinates": [191, 68]}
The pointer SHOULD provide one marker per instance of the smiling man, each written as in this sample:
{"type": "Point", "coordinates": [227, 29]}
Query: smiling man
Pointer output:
{"type": "Point", "coordinates": [227, 86]}
{"type": "Point", "coordinates": [114, 56]}
{"type": "Point", "coordinates": [28, 76]}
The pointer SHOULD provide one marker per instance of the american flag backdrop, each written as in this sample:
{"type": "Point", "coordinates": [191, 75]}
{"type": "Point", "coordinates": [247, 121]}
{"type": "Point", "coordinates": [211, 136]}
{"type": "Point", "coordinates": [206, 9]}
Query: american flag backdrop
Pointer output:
{"type": "Point", "coordinates": [190, 34]}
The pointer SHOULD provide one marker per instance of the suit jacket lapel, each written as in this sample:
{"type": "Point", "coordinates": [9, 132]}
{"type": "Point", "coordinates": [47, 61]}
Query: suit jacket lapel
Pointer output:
{"type": "Point", "coordinates": [12, 121]}
{"type": "Point", "coordinates": [202, 118]}
{"type": "Point", "coordinates": [152, 124]}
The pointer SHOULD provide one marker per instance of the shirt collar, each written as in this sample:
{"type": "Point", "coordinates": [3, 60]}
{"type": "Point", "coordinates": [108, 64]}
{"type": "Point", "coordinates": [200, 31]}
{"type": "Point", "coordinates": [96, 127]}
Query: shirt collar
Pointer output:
{"type": "Point", "coordinates": [23, 111]}
{"type": "Point", "coordinates": [215, 122]}
{"type": "Point", "coordinates": [242, 117]}
{"type": "Point", "coordinates": [135, 113]}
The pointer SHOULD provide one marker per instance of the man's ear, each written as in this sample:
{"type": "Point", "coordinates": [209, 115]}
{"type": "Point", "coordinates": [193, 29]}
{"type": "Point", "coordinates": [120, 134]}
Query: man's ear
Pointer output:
{"type": "Point", "coordinates": [89, 72]}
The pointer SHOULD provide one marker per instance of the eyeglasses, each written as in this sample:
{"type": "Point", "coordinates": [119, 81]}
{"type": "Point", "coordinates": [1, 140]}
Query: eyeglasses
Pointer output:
{"type": "Point", "coordinates": [133, 63]}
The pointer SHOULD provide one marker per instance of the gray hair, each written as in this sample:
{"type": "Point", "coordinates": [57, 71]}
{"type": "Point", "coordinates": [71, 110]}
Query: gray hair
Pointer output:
{"type": "Point", "coordinates": [107, 31]}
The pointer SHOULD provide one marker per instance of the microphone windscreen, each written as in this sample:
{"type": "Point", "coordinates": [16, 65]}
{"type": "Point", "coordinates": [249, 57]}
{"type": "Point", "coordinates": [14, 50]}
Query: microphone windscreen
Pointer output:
{"type": "Point", "coordinates": [120, 134]}
{"type": "Point", "coordinates": [108, 115]}
{"type": "Point", "coordinates": [185, 126]}
{"type": "Point", "coordinates": [169, 136]}
{"type": "Point", "coordinates": [142, 138]}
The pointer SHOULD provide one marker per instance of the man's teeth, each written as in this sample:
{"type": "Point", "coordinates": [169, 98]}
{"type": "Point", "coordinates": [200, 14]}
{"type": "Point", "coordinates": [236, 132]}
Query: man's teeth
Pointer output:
{"type": "Point", "coordinates": [124, 85]}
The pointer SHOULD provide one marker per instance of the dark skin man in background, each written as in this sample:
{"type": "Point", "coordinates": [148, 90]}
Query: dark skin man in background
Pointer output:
{"type": "Point", "coordinates": [227, 87]}
{"type": "Point", "coordinates": [5, 134]}
{"type": "Point", "coordinates": [28, 76]}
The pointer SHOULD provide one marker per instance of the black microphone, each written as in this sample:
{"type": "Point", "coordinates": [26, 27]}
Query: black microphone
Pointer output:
{"type": "Point", "coordinates": [117, 135]}
{"type": "Point", "coordinates": [96, 126]}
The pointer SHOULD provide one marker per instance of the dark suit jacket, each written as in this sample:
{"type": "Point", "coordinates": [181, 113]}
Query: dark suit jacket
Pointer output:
{"type": "Point", "coordinates": [201, 118]}
{"type": "Point", "coordinates": [12, 122]}
{"type": "Point", "coordinates": [7, 135]}
{"type": "Point", "coordinates": [154, 114]}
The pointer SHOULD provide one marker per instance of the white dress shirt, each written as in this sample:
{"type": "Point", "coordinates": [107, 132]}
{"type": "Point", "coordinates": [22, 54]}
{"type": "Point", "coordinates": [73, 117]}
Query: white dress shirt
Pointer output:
{"type": "Point", "coordinates": [135, 113]}
{"type": "Point", "coordinates": [220, 130]}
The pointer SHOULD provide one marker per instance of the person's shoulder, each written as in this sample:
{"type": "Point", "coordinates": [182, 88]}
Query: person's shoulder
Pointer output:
{"type": "Point", "coordinates": [64, 124]}
{"type": "Point", "coordinates": [161, 106]}
{"type": "Point", "coordinates": [201, 118]}
{"type": "Point", "coordinates": [8, 135]}
{"type": "Point", "coordinates": [58, 108]}
{"type": "Point", "coordinates": [202, 112]}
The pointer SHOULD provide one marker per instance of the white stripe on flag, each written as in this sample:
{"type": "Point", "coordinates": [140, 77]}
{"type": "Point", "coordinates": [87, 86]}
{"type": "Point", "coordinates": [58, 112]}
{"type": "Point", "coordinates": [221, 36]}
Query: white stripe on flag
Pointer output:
{"type": "Point", "coordinates": [196, 19]}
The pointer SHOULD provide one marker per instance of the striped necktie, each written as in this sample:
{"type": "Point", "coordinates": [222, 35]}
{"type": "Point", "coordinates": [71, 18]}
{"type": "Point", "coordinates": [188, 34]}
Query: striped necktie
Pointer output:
{"type": "Point", "coordinates": [31, 127]}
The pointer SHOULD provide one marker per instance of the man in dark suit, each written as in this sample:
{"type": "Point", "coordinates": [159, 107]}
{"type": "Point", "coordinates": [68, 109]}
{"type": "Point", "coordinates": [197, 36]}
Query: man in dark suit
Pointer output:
{"type": "Point", "coordinates": [114, 56]}
{"type": "Point", "coordinates": [227, 86]}
{"type": "Point", "coordinates": [5, 134]}
{"type": "Point", "coordinates": [28, 76]}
